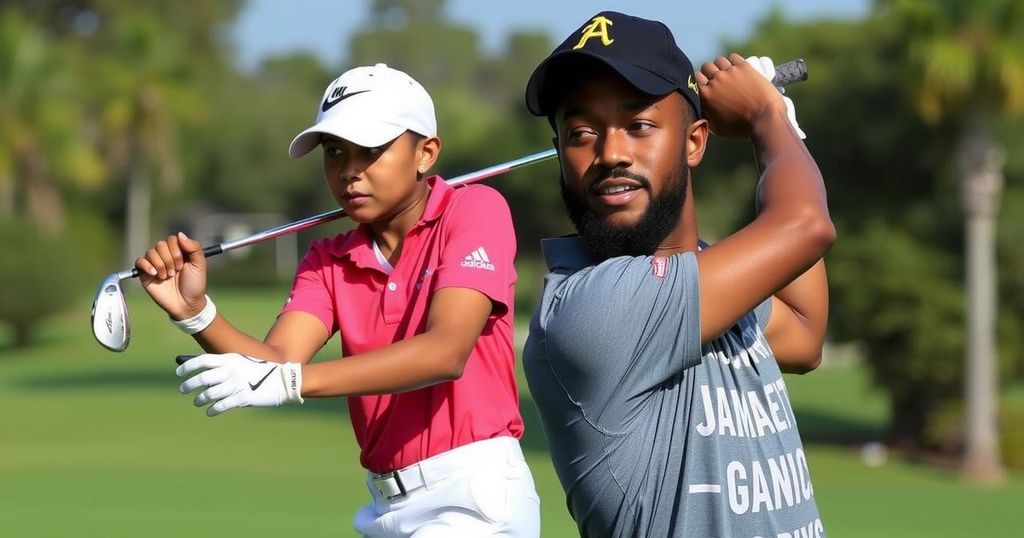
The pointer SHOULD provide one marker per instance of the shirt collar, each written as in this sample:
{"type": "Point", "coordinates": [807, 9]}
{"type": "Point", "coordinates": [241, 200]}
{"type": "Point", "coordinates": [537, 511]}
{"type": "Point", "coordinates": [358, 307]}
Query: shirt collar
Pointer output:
{"type": "Point", "coordinates": [358, 245]}
{"type": "Point", "coordinates": [438, 199]}
{"type": "Point", "coordinates": [567, 252]}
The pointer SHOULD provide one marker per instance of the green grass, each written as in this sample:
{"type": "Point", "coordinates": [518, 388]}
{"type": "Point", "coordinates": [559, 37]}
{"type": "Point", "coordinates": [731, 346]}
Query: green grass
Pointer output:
{"type": "Point", "coordinates": [94, 443]}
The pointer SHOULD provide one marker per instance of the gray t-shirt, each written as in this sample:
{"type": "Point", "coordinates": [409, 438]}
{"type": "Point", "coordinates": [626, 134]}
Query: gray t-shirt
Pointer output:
{"type": "Point", "coordinates": [652, 434]}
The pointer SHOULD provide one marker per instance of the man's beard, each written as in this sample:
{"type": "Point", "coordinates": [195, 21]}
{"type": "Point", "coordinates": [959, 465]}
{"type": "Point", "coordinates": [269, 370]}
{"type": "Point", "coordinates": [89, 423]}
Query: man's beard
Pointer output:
{"type": "Point", "coordinates": [605, 240]}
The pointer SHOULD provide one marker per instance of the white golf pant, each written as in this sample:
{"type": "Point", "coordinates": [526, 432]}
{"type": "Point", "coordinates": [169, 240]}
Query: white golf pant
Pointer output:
{"type": "Point", "coordinates": [480, 489]}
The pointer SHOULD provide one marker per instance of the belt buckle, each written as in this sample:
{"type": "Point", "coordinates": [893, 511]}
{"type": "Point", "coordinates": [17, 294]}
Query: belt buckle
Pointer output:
{"type": "Point", "coordinates": [383, 484]}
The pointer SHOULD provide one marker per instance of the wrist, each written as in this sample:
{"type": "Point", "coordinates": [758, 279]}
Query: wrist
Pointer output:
{"type": "Point", "coordinates": [768, 116]}
{"type": "Point", "coordinates": [190, 310]}
{"type": "Point", "coordinates": [769, 124]}
{"type": "Point", "coordinates": [291, 374]}
{"type": "Point", "coordinates": [198, 321]}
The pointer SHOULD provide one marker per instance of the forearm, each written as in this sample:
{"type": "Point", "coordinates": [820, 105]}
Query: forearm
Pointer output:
{"type": "Point", "coordinates": [791, 190]}
{"type": "Point", "coordinates": [423, 360]}
{"type": "Point", "coordinates": [457, 318]}
{"type": "Point", "coordinates": [223, 337]}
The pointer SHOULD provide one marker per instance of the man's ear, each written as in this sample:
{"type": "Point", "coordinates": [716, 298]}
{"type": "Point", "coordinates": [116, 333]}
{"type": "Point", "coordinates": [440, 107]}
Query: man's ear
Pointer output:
{"type": "Point", "coordinates": [696, 142]}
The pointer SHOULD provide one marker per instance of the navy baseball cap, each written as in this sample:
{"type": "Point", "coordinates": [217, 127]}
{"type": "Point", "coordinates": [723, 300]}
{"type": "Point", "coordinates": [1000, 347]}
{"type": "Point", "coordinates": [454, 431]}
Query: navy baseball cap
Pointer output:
{"type": "Point", "coordinates": [642, 51]}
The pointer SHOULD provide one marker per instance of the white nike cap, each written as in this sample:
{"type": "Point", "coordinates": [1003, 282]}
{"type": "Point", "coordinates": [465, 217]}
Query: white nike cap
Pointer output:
{"type": "Point", "coordinates": [369, 106]}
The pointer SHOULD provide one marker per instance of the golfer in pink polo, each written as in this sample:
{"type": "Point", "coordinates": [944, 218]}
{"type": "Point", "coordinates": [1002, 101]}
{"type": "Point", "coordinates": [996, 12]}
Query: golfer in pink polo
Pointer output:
{"type": "Point", "coordinates": [421, 294]}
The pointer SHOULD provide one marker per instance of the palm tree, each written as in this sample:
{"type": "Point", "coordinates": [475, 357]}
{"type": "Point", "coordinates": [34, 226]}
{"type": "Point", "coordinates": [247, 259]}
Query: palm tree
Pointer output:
{"type": "Point", "coordinates": [43, 146]}
{"type": "Point", "coordinates": [145, 74]}
{"type": "Point", "coordinates": [966, 67]}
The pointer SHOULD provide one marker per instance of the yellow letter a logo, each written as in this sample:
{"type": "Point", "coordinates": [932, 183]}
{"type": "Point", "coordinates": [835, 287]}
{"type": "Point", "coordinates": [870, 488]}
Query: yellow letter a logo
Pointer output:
{"type": "Point", "coordinates": [597, 28]}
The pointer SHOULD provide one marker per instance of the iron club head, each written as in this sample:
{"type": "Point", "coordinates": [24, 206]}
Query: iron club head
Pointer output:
{"type": "Point", "coordinates": [110, 323]}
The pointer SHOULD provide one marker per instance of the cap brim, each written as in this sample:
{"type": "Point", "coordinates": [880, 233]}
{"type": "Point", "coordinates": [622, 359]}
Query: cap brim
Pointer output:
{"type": "Point", "coordinates": [641, 79]}
{"type": "Point", "coordinates": [366, 134]}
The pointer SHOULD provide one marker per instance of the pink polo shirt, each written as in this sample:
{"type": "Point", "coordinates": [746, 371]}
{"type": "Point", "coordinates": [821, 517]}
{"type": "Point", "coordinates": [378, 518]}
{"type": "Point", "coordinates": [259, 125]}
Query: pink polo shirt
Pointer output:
{"type": "Point", "coordinates": [464, 239]}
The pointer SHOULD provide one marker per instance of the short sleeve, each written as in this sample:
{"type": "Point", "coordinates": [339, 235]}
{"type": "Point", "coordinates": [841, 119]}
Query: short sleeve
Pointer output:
{"type": "Point", "coordinates": [623, 327]}
{"type": "Point", "coordinates": [763, 313]}
{"type": "Point", "coordinates": [310, 290]}
{"type": "Point", "coordinates": [480, 246]}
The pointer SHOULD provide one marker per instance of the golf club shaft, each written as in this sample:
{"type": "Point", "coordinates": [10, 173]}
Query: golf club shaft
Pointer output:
{"type": "Point", "coordinates": [336, 214]}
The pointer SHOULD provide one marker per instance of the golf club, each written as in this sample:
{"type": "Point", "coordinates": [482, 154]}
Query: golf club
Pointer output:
{"type": "Point", "coordinates": [110, 323]}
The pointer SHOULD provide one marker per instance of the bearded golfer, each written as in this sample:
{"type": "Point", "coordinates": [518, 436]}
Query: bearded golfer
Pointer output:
{"type": "Point", "coordinates": [654, 358]}
{"type": "Point", "coordinates": [421, 295]}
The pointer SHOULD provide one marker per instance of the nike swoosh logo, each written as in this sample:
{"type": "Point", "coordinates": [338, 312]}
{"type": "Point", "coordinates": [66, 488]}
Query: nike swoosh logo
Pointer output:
{"type": "Point", "coordinates": [328, 103]}
{"type": "Point", "coordinates": [260, 382]}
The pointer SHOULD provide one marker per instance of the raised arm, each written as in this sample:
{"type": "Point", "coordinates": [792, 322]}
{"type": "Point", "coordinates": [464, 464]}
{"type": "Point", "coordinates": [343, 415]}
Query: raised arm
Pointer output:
{"type": "Point", "coordinates": [792, 231]}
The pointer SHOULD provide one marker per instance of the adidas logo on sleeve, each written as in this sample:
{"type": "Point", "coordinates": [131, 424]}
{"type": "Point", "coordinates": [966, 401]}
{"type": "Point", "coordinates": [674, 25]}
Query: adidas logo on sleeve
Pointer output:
{"type": "Point", "coordinates": [478, 259]}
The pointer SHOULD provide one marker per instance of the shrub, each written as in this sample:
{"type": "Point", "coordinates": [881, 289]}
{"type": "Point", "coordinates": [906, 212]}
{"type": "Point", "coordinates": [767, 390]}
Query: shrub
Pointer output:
{"type": "Point", "coordinates": [37, 278]}
{"type": "Point", "coordinates": [945, 432]}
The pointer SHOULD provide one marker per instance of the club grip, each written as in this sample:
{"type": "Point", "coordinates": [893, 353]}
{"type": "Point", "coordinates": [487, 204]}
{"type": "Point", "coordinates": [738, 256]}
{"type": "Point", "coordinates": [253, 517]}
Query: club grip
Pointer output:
{"type": "Point", "coordinates": [181, 359]}
{"type": "Point", "coordinates": [790, 72]}
{"type": "Point", "coordinates": [211, 250]}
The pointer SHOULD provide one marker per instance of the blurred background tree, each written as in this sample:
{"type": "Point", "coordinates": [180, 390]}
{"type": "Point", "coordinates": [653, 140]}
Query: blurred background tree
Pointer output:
{"type": "Point", "coordinates": [47, 158]}
{"type": "Point", "coordinates": [966, 64]}
{"type": "Point", "coordinates": [893, 177]}
{"type": "Point", "coordinates": [44, 148]}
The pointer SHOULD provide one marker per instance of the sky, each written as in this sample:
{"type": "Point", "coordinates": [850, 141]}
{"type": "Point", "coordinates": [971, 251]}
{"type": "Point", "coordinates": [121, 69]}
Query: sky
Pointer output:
{"type": "Point", "coordinates": [269, 27]}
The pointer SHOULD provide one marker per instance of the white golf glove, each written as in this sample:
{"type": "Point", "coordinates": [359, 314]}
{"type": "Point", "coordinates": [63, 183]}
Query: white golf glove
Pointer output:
{"type": "Point", "coordinates": [231, 380]}
{"type": "Point", "coordinates": [765, 66]}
